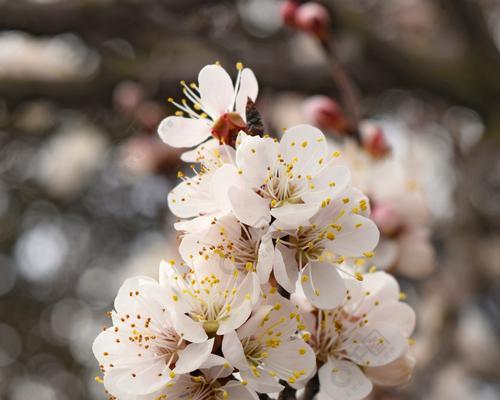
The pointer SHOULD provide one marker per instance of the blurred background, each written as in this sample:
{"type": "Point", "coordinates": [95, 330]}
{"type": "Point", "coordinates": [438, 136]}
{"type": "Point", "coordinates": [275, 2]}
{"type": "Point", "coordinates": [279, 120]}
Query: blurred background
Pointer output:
{"type": "Point", "coordinates": [84, 178]}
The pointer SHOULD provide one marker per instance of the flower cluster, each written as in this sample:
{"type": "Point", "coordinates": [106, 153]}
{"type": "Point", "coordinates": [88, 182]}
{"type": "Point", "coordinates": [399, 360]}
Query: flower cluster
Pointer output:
{"type": "Point", "coordinates": [400, 210]}
{"type": "Point", "coordinates": [269, 293]}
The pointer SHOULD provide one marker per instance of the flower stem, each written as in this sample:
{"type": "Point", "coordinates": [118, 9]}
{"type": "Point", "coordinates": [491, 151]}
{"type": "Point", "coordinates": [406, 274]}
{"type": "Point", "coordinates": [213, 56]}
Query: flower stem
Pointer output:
{"type": "Point", "coordinates": [347, 89]}
{"type": "Point", "coordinates": [312, 388]}
{"type": "Point", "coordinates": [288, 393]}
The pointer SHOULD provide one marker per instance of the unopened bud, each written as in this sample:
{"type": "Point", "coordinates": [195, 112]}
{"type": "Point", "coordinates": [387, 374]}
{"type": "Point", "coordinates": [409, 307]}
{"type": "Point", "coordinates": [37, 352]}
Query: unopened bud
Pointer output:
{"type": "Point", "coordinates": [374, 140]}
{"type": "Point", "coordinates": [325, 112]}
{"type": "Point", "coordinates": [287, 11]}
{"type": "Point", "coordinates": [127, 96]}
{"type": "Point", "coordinates": [387, 219]}
{"type": "Point", "coordinates": [314, 19]}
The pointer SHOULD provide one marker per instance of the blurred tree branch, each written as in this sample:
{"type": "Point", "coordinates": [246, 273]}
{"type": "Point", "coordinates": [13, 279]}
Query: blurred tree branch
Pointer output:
{"type": "Point", "coordinates": [471, 80]}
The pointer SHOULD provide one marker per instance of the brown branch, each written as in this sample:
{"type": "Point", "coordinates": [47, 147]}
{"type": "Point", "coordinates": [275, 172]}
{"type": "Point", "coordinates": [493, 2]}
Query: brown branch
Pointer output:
{"type": "Point", "coordinates": [347, 89]}
{"type": "Point", "coordinates": [288, 393]}
{"type": "Point", "coordinates": [311, 389]}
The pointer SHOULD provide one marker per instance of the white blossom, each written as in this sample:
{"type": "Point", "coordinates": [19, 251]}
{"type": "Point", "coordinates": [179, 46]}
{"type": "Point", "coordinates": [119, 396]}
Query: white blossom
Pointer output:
{"type": "Point", "coordinates": [267, 348]}
{"type": "Point", "coordinates": [368, 331]}
{"type": "Point", "coordinates": [142, 352]}
{"type": "Point", "coordinates": [204, 196]}
{"type": "Point", "coordinates": [208, 384]}
{"type": "Point", "coordinates": [213, 298]}
{"type": "Point", "coordinates": [248, 248]}
{"type": "Point", "coordinates": [313, 253]}
{"type": "Point", "coordinates": [218, 108]}
{"type": "Point", "coordinates": [292, 177]}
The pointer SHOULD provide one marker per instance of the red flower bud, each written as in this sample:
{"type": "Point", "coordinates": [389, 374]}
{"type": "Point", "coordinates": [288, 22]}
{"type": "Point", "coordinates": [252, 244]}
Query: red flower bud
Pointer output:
{"type": "Point", "coordinates": [374, 141]}
{"type": "Point", "coordinates": [387, 219]}
{"type": "Point", "coordinates": [288, 10]}
{"type": "Point", "coordinates": [326, 113]}
{"type": "Point", "coordinates": [314, 19]}
{"type": "Point", "coordinates": [127, 96]}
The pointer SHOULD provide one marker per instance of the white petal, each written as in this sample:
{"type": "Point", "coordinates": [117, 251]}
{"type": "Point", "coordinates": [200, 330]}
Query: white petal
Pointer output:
{"type": "Point", "coordinates": [381, 286]}
{"type": "Point", "coordinates": [344, 380]}
{"type": "Point", "coordinates": [183, 132]}
{"type": "Point", "coordinates": [248, 290]}
{"type": "Point", "coordinates": [285, 267]}
{"type": "Point", "coordinates": [280, 316]}
{"type": "Point", "coordinates": [193, 356]}
{"type": "Point", "coordinates": [237, 317]}
{"type": "Point", "coordinates": [197, 224]}
{"type": "Point", "coordinates": [123, 301]}
{"type": "Point", "coordinates": [248, 294]}
{"type": "Point", "coordinates": [290, 216]}
{"type": "Point", "coordinates": [400, 315]}
{"type": "Point", "coordinates": [238, 391]}
{"type": "Point", "coordinates": [359, 196]}
{"type": "Point", "coordinates": [224, 179]}
{"type": "Point", "coordinates": [191, 198]}
{"type": "Point", "coordinates": [249, 207]}
{"type": "Point", "coordinates": [357, 236]}
{"type": "Point", "coordinates": [292, 355]}
{"type": "Point", "coordinates": [216, 90]}
{"type": "Point", "coordinates": [265, 258]}
{"type": "Point", "coordinates": [328, 183]}
{"type": "Point", "coordinates": [197, 154]}
{"type": "Point", "coordinates": [192, 331]}
{"type": "Point", "coordinates": [307, 145]}
{"type": "Point", "coordinates": [116, 381]}
{"type": "Point", "coordinates": [395, 373]}
{"type": "Point", "coordinates": [322, 285]}
{"type": "Point", "coordinates": [233, 351]}
{"type": "Point", "coordinates": [255, 156]}
{"type": "Point", "coordinates": [375, 344]}
{"type": "Point", "coordinates": [107, 351]}
{"type": "Point", "coordinates": [216, 367]}
{"type": "Point", "coordinates": [248, 88]}
{"type": "Point", "coordinates": [264, 383]}
{"type": "Point", "coordinates": [145, 380]}
{"type": "Point", "coordinates": [251, 326]}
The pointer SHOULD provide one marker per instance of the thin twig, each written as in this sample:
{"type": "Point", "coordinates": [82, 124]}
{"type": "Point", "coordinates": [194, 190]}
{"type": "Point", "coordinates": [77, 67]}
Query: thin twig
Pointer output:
{"type": "Point", "coordinates": [311, 389]}
{"type": "Point", "coordinates": [288, 393]}
{"type": "Point", "coordinates": [347, 88]}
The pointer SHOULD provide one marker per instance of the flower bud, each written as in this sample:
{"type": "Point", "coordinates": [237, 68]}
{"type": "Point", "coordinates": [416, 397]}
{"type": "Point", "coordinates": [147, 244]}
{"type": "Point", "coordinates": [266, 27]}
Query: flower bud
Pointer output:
{"type": "Point", "coordinates": [288, 10]}
{"type": "Point", "coordinates": [387, 218]}
{"type": "Point", "coordinates": [314, 19]}
{"type": "Point", "coordinates": [325, 112]}
{"type": "Point", "coordinates": [374, 140]}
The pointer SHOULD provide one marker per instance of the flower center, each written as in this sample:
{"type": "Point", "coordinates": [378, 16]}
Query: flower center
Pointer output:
{"type": "Point", "coordinates": [227, 127]}
{"type": "Point", "coordinates": [205, 390]}
{"type": "Point", "coordinates": [254, 351]}
{"type": "Point", "coordinates": [242, 250]}
{"type": "Point", "coordinates": [168, 344]}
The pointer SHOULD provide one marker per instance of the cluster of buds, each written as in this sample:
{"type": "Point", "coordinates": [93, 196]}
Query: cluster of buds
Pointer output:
{"type": "Point", "coordinates": [270, 292]}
